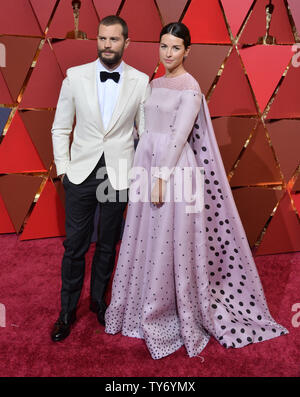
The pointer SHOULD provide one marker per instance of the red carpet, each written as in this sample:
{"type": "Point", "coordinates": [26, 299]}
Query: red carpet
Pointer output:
{"type": "Point", "coordinates": [30, 289]}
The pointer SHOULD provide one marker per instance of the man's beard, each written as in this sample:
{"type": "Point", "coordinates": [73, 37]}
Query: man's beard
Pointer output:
{"type": "Point", "coordinates": [112, 60]}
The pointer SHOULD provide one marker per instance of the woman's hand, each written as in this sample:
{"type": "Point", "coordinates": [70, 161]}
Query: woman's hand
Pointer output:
{"type": "Point", "coordinates": [158, 192]}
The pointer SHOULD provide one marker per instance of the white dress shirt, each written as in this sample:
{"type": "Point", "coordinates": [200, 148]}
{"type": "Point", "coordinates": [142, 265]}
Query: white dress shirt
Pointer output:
{"type": "Point", "coordinates": [108, 92]}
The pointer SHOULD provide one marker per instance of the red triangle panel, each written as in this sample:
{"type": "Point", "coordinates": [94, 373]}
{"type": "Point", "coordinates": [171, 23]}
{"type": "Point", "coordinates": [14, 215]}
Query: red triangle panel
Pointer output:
{"type": "Point", "coordinates": [236, 13]}
{"type": "Point", "coordinates": [257, 164]}
{"type": "Point", "coordinates": [296, 187]}
{"type": "Point", "coordinates": [44, 85]}
{"type": "Point", "coordinates": [17, 17]}
{"type": "Point", "coordinates": [206, 72]}
{"type": "Point", "coordinates": [38, 125]}
{"type": "Point", "coordinates": [105, 8]}
{"type": "Point", "coordinates": [17, 152]}
{"type": "Point", "coordinates": [265, 66]}
{"type": "Point", "coordinates": [255, 206]}
{"type": "Point", "coordinates": [6, 225]}
{"type": "Point", "coordinates": [231, 134]}
{"type": "Point", "coordinates": [296, 200]}
{"type": "Point", "coordinates": [206, 22]}
{"type": "Point", "coordinates": [295, 9]}
{"type": "Point", "coordinates": [171, 14]}
{"type": "Point", "coordinates": [18, 192]}
{"type": "Point", "coordinates": [280, 27]}
{"type": "Point", "coordinates": [287, 101]}
{"type": "Point", "coordinates": [142, 56]}
{"type": "Point", "coordinates": [143, 20]}
{"type": "Point", "coordinates": [48, 216]}
{"type": "Point", "coordinates": [63, 20]}
{"type": "Point", "coordinates": [74, 52]}
{"type": "Point", "coordinates": [43, 11]}
{"type": "Point", "coordinates": [20, 52]}
{"type": "Point", "coordinates": [5, 96]}
{"type": "Point", "coordinates": [285, 138]}
{"type": "Point", "coordinates": [283, 231]}
{"type": "Point", "coordinates": [234, 86]}
{"type": "Point", "coordinates": [160, 71]}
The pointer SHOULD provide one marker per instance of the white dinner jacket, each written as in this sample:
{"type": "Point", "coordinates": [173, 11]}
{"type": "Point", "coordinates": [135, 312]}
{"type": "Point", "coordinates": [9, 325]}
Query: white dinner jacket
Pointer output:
{"type": "Point", "coordinates": [79, 98]}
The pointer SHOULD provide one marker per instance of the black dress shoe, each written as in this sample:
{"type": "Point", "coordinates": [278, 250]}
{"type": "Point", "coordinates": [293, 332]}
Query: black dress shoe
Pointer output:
{"type": "Point", "coordinates": [99, 309]}
{"type": "Point", "coordinates": [62, 329]}
{"type": "Point", "coordinates": [101, 316]}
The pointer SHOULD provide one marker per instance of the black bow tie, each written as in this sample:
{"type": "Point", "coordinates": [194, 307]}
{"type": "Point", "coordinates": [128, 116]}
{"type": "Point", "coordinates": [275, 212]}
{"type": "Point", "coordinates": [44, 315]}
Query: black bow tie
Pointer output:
{"type": "Point", "coordinates": [106, 75]}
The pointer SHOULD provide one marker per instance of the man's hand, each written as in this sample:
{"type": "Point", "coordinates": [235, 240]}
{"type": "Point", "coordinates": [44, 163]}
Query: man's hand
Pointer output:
{"type": "Point", "coordinates": [158, 192]}
{"type": "Point", "coordinates": [62, 177]}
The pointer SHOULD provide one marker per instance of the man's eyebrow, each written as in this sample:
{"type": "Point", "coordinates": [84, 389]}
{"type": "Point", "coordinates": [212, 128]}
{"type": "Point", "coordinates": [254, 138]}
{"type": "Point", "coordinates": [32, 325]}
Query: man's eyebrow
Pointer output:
{"type": "Point", "coordinates": [112, 37]}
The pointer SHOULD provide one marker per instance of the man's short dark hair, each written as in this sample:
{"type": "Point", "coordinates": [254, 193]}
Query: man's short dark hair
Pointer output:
{"type": "Point", "coordinates": [113, 20]}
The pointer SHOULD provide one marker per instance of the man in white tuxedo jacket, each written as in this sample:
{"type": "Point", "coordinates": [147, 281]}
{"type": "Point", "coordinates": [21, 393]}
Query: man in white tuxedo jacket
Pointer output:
{"type": "Point", "coordinates": [106, 97]}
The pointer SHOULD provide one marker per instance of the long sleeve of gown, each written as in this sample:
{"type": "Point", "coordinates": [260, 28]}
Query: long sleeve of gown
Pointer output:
{"type": "Point", "coordinates": [186, 113]}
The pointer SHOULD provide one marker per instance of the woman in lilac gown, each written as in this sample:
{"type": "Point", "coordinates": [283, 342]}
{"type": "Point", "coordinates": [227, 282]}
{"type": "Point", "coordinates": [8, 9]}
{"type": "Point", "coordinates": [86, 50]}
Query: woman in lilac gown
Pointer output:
{"type": "Point", "coordinates": [185, 271]}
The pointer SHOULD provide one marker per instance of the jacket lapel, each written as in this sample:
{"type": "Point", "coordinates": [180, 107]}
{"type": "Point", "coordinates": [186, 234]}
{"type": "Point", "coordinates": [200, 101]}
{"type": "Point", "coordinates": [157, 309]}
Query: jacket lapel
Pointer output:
{"type": "Point", "coordinates": [92, 91]}
{"type": "Point", "coordinates": [126, 91]}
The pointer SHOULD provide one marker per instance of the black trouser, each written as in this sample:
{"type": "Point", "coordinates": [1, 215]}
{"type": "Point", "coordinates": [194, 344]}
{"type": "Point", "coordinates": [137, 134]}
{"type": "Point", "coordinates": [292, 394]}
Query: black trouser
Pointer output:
{"type": "Point", "coordinates": [80, 206]}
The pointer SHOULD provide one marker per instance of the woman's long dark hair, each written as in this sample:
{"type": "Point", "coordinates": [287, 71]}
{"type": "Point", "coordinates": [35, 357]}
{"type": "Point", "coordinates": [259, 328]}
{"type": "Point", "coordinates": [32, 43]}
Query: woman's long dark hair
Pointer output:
{"type": "Point", "coordinates": [177, 29]}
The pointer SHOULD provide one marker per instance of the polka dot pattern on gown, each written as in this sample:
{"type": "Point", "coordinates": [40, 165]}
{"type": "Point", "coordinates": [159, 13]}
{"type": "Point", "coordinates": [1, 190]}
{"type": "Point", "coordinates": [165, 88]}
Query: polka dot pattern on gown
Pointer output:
{"type": "Point", "coordinates": [183, 277]}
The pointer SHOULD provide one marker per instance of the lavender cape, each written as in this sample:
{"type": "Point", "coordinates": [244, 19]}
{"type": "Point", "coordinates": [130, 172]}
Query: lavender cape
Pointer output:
{"type": "Point", "coordinates": [183, 276]}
